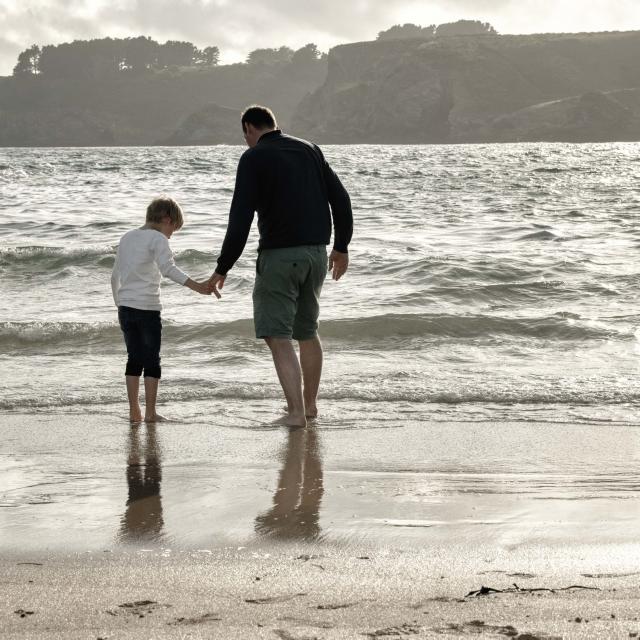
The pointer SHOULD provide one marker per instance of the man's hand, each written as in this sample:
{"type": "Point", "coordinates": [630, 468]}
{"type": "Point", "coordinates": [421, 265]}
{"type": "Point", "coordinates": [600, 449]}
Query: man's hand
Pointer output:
{"type": "Point", "coordinates": [338, 264]}
{"type": "Point", "coordinates": [216, 282]}
{"type": "Point", "coordinates": [198, 287]}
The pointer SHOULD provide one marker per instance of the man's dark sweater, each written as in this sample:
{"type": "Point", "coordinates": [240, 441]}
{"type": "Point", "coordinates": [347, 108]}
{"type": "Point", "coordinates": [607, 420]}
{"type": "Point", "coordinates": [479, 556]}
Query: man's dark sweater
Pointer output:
{"type": "Point", "coordinates": [290, 184]}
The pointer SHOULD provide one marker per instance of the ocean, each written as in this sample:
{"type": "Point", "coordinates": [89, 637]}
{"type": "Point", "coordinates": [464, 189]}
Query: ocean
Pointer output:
{"type": "Point", "coordinates": [487, 282]}
{"type": "Point", "coordinates": [481, 356]}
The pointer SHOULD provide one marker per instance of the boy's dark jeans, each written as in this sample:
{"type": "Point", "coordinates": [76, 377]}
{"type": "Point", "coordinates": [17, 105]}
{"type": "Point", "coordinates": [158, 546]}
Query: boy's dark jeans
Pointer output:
{"type": "Point", "coordinates": [142, 334]}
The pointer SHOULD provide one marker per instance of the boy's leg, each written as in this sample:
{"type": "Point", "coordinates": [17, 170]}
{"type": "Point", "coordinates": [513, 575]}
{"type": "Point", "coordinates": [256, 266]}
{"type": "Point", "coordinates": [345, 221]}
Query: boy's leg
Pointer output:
{"type": "Point", "coordinates": [133, 371]}
{"type": "Point", "coordinates": [133, 394]}
{"type": "Point", "coordinates": [152, 337]}
{"type": "Point", "coordinates": [150, 397]}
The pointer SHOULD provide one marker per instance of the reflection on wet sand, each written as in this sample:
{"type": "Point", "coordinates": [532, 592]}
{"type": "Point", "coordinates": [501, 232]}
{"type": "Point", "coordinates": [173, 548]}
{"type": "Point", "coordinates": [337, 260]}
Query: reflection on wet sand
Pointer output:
{"type": "Point", "coordinates": [296, 502]}
{"type": "Point", "coordinates": [142, 519]}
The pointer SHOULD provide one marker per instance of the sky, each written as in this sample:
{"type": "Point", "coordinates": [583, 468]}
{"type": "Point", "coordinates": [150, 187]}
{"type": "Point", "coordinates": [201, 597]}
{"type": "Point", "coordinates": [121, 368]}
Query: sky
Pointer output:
{"type": "Point", "coordinates": [239, 26]}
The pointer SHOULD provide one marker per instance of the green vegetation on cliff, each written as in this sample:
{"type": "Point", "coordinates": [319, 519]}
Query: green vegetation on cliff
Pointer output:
{"type": "Point", "coordinates": [134, 92]}
{"type": "Point", "coordinates": [464, 88]}
{"type": "Point", "coordinates": [412, 85]}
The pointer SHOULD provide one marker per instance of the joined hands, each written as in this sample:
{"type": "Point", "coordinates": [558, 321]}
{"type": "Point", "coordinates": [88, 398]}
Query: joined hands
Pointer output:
{"type": "Point", "coordinates": [215, 283]}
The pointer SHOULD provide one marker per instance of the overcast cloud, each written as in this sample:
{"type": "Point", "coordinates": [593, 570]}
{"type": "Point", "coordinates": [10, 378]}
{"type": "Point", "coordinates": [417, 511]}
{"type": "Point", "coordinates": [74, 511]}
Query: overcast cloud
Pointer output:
{"type": "Point", "coordinates": [240, 26]}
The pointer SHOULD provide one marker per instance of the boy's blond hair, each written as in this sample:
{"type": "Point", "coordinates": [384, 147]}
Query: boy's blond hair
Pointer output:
{"type": "Point", "coordinates": [165, 206]}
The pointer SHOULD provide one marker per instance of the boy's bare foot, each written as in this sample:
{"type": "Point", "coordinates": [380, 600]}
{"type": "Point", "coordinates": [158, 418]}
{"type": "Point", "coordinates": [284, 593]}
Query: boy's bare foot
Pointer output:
{"type": "Point", "coordinates": [156, 417]}
{"type": "Point", "coordinates": [135, 417]}
{"type": "Point", "coordinates": [291, 420]}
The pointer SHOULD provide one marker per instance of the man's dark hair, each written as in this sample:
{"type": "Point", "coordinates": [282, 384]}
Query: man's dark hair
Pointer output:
{"type": "Point", "coordinates": [258, 116]}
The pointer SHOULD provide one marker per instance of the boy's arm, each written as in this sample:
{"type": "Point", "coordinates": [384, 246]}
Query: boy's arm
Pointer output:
{"type": "Point", "coordinates": [164, 259]}
{"type": "Point", "coordinates": [115, 281]}
{"type": "Point", "coordinates": [168, 268]}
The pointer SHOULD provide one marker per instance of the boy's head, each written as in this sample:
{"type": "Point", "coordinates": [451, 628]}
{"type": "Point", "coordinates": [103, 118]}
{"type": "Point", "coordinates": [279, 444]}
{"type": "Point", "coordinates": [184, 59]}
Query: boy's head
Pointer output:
{"type": "Point", "coordinates": [162, 208]}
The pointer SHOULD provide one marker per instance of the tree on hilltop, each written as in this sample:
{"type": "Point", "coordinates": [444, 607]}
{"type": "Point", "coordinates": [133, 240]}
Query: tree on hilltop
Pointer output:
{"type": "Point", "coordinates": [459, 28]}
{"type": "Point", "coordinates": [308, 53]}
{"type": "Point", "coordinates": [406, 31]}
{"type": "Point", "coordinates": [465, 28]}
{"type": "Point", "coordinates": [176, 53]}
{"type": "Point", "coordinates": [139, 53]}
{"type": "Point", "coordinates": [101, 57]}
{"type": "Point", "coordinates": [270, 56]}
{"type": "Point", "coordinates": [28, 61]}
{"type": "Point", "coordinates": [209, 56]}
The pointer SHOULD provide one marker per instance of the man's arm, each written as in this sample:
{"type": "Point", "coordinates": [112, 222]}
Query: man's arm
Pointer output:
{"type": "Point", "coordinates": [340, 207]}
{"type": "Point", "coordinates": [342, 219]}
{"type": "Point", "coordinates": [243, 206]}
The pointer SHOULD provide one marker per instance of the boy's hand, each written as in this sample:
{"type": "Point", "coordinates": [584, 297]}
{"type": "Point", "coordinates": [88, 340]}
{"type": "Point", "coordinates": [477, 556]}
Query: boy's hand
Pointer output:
{"type": "Point", "coordinates": [199, 287]}
{"type": "Point", "coordinates": [216, 282]}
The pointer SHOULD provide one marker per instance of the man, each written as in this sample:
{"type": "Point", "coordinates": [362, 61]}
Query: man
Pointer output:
{"type": "Point", "coordinates": [296, 194]}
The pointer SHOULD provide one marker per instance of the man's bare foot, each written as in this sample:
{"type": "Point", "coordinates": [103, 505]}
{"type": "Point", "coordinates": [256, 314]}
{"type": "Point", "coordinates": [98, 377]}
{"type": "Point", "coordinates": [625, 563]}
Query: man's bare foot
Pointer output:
{"type": "Point", "coordinates": [291, 420]}
{"type": "Point", "coordinates": [135, 416]}
{"type": "Point", "coordinates": [156, 417]}
{"type": "Point", "coordinates": [310, 412]}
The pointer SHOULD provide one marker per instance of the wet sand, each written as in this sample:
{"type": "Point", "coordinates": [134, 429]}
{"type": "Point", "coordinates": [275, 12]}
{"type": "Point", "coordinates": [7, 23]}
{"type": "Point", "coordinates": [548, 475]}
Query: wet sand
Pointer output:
{"type": "Point", "coordinates": [229, 529]}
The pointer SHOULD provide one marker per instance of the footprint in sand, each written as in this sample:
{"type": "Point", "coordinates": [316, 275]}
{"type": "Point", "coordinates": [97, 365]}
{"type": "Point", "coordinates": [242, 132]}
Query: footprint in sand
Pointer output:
{"type": "Point", "coordinates": [138, 608]}
{"type": "Point", "coordinates": [205, 617]}
{"type": "Point", "coordinates": [475, 627]}
{"type": "Point", "coordinates": [273, 599]}
{"type": "Point", "coordinates": [283, 634]}
{"type": "Point", "coordinates": [402, 630]}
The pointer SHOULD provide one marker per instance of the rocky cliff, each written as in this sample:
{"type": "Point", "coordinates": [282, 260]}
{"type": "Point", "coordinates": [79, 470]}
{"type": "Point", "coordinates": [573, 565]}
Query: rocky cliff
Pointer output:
{"type": "Point", "coordinates": [485, 88]}
{"type": "Point", "coordinates": [577, 87]}
{"type": "Point", "coordinates": [212, 122]}
{"type": "Point", "coordinates": [147, 108]}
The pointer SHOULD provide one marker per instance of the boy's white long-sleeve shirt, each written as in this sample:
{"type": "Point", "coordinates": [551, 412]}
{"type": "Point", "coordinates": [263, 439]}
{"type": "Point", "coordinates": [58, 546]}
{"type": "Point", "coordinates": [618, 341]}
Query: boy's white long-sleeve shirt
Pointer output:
{"type": "Point", "coordinates": [143, 257]}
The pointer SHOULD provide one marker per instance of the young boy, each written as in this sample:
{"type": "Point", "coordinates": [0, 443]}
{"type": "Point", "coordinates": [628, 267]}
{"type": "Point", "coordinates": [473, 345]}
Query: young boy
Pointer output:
{"type": "Point", "coordinates": [144, 256]}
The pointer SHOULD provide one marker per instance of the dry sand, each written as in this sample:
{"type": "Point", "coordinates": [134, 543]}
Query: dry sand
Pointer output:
{"type": "Point", "coordinates": [304, 592]}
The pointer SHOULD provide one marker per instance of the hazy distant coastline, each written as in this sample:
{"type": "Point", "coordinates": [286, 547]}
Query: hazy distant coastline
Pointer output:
{"type": "Point", "coordinates": [450, 89]}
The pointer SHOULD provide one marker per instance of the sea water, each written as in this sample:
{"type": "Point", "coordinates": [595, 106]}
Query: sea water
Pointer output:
{"type": "Point", "coordinates": [486, 282]}
{"type": "Point", "coordinates": [481, 372]}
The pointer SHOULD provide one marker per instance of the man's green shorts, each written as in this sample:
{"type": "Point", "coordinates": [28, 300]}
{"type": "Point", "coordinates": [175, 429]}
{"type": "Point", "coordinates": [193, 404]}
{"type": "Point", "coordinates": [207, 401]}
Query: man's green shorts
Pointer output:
{"type": "Point", "coordinates": [286, 295]}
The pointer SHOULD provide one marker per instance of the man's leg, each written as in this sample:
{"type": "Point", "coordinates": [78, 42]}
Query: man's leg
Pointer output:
{"type": "Point", "coordinates": [305, 327]}
{"type": "Point", "coordinates": [289, 373]}
{"type": "Point", "coordinates": [311, 363]}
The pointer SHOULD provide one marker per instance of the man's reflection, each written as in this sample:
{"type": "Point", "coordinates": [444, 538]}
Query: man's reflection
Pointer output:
{"type": "Point", "coordinates": [142, 519]}
{"type": "Point", "coordinates": [296, 503]}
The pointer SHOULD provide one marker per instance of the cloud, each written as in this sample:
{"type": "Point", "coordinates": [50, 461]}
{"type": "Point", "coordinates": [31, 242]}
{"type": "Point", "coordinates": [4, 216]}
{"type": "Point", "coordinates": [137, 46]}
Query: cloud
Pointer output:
{"type": "Point", "coordinates": [239, 27]}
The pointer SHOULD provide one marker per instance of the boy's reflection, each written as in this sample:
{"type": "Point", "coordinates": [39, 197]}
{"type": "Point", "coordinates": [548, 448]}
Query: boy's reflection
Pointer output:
{"type": "Point", "coordinates": [142, 519]}
{"type": "Point", "coordinates": [296, 503]}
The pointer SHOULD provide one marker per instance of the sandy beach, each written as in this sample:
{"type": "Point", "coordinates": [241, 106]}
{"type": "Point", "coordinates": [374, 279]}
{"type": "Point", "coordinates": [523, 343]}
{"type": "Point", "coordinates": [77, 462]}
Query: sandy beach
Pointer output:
{"type": "Point", "coordinates": [228, 530]}
{"type": "Point", "coordinates": [306, 591]}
